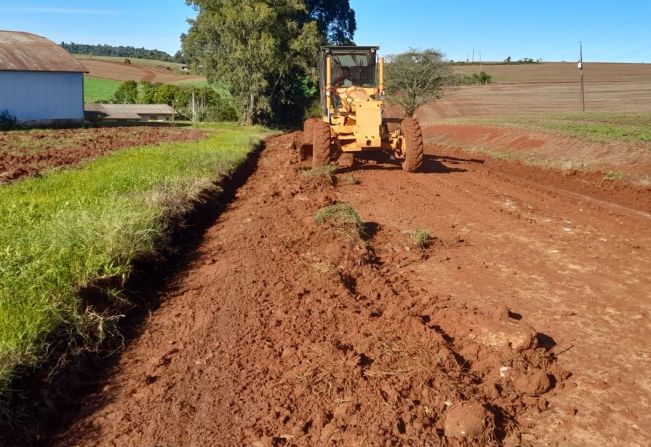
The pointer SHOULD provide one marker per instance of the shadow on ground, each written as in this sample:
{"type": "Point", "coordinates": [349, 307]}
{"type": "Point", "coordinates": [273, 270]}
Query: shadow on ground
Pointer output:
{"type": "Point", "coordinates": [431, 165]}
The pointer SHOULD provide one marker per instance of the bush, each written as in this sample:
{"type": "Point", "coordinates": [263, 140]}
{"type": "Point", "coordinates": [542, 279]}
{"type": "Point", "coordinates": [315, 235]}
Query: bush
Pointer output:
{"type": "Point", "coordinates": [415, 77]}
{"type": "Point", "coordinates": [481, 78]}
{"type": "Point", "coordinates": [7, 120]}
{"type": "Point", "coordinates": [127, 93]}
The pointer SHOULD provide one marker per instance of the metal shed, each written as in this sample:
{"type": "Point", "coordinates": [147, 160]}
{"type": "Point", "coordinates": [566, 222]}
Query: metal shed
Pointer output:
{"type": "Point", "coordinates": [129, 112]}
{"type": "Point", "coordinates": [40, 82]}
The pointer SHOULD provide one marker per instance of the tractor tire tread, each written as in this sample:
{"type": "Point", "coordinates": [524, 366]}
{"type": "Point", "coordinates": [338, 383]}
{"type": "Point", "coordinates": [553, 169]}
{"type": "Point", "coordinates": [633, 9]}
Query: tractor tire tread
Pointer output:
{"type": "Point", "coordinates": [413, 136]}
{"type": "Point", "coordinates": [321, 144]}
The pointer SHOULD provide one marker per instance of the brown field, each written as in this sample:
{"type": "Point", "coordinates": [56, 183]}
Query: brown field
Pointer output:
{"type": "Point", "coordinates": [499, 100]}
{"type": "Point", "coordinates": [548, 88]}
{"type": "Point", "coordinates": [561, 72]}
{"type": "Point", "coordinates": [132, 72]}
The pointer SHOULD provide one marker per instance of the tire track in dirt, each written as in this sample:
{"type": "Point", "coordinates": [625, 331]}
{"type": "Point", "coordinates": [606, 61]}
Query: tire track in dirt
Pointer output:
{"type": "Point", "coordinates": [286, 332]}
{"type": "Point", "coordinates": [576, 268]}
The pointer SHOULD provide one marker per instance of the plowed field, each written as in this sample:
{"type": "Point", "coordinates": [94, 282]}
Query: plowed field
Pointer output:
{"type": "Point", "coordinates": [120, 71]}
{"type": "Point", "coordinates": [524, 322]}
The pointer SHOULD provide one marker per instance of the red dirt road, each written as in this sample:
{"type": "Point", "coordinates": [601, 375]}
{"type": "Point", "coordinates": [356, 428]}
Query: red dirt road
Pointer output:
{"type": "Point", "coordinates": [285, 332]}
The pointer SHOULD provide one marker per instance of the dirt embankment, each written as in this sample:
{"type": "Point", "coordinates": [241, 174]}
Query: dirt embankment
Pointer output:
{"type": "Point", "coordinates": [288, 332]}
{"type": "Point", "coordinates": [30, 152]}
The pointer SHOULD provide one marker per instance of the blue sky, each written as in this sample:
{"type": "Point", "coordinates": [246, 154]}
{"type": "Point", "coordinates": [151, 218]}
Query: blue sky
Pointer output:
{"type": "Point", "coordinates": [549, 29]}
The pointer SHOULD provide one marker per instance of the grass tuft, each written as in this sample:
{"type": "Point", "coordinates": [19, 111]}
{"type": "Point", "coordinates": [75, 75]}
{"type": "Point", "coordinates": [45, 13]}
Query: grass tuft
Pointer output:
{"type": "Point", "coordinates": [341, 214]}
{"type": "Point", "coordinates": [324, 174]}
{"type": "Point", "coordinates": [419, 238]}
{"type": "Point", "coordinates": [613, 175]}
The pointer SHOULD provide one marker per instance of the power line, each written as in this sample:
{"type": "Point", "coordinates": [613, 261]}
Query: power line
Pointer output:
{"type": "Point", "coordinates": [619, 47]}
{"type": "Point", "coordinates": [631, 53]}
{"type": "Point", "coordinates": [605, 32]}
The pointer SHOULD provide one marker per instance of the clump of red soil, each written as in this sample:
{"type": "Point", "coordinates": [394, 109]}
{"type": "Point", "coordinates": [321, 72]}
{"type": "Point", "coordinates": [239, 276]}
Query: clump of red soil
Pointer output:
{"type": "Point", "coordinates": [30, 152]}
{"type": "Point", "coordinates": [286, 331]}
{"type": "Point", "coordinates": [471, 421]}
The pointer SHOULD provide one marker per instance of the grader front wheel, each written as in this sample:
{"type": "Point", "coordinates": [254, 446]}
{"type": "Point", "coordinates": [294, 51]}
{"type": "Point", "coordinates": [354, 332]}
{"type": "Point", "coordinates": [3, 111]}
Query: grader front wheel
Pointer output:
{"type": "Point", "coordinates": [321, 144]}
{"type": "Point", "coordinates": [412, 145]}
{"type": "Point", "coordinates": [308, 131]}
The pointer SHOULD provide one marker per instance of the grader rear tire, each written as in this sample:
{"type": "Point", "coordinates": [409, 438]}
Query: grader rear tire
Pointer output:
{"type": "Point", "coordinates": [321, 144]}
{"type": "Point", "coordinates": [413, 145]}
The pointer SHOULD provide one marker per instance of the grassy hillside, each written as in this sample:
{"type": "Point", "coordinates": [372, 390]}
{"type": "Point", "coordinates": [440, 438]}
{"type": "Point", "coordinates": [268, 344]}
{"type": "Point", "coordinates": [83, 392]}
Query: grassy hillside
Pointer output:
{"type": "Point", "coordinates": [73, 228]}
{"type": "Point", "coordinates": [96, 89]}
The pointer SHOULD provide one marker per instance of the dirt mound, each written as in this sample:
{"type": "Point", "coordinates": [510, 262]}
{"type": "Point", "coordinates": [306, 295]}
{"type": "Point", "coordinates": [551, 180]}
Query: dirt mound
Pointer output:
{"type": "Point", "coordinates": [290, 331]}
{"type": "Point", "coordinates": [31, 152]}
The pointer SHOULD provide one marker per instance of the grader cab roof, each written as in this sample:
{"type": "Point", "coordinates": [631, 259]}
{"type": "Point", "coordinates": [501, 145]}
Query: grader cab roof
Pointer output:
{"type": "Point", "coordinates": [350, 55]}
{"type": "Point", "coordinates": [348, 49]}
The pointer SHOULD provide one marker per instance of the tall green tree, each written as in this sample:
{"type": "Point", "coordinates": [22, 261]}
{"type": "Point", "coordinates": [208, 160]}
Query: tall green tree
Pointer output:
{"type": "Point", "coordinates": [253, 46]}
{"type": "Point", "coordinates": [415, 77]}
{"type": "Point", "coordinates": [335, 20]}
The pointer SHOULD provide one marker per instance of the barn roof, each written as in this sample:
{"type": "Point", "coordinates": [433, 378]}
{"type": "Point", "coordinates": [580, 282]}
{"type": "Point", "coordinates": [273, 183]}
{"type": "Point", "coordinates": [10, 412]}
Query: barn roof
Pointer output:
{"type": "Point", "coordinates": [28, 52]}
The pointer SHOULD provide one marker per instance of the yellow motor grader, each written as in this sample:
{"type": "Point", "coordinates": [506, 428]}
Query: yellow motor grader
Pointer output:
{"type": "Point", "coordinates": [353, 111]}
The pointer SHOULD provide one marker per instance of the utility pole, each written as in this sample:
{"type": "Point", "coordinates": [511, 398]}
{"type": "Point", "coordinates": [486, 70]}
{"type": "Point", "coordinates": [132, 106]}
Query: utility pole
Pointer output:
{"type": "Point", "coordinates": [194, 111]}
{"type": "Point", "coordinates": [479, 62]}
{"type": "Point", "coordinates": [581, 71]}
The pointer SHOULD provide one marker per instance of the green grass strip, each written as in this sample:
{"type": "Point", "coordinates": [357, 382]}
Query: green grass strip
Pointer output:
{"type": "Point", "coordinates": [68, 228]}
{"type": "Point", "coordinates": [600, 127]}
{"type": "Point", "coordinates": [97, 89]}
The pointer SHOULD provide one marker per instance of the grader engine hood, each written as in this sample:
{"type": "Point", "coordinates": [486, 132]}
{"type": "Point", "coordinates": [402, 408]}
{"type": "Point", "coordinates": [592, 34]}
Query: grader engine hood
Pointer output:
{"type": "Point", "coordinates": [368, 115]}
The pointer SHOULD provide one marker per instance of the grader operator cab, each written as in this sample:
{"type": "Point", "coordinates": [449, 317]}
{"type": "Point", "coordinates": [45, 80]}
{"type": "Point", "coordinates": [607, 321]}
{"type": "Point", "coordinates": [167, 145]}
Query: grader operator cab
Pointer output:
{"type": "Point", "coordinates": [353, 111]}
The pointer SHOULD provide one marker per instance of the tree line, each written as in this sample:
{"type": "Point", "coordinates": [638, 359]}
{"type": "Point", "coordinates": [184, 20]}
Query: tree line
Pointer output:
{"type": "Point", "coordinates": [121, 51]}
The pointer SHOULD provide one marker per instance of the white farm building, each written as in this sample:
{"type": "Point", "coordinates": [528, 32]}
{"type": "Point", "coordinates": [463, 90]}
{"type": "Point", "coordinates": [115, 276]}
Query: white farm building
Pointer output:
{"type": "Point", "coordinates": [40, 82]}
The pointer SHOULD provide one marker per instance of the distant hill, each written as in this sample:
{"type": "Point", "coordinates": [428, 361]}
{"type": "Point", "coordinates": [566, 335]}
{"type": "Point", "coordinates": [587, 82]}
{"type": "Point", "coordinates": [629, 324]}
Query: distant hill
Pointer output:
{"type": "Point", "coordinates": [120, 51]}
